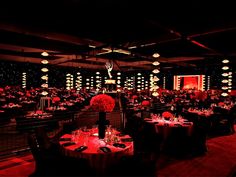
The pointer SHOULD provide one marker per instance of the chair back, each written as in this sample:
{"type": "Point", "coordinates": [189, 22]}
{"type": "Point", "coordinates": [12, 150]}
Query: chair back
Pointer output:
{"type": "Point", "coordinates": [35, 150]}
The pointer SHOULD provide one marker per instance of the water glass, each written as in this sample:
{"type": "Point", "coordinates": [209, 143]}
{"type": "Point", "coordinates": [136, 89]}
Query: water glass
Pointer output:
{"type": "Point", "coordinates": [85, 139]}
{"type": "Point", "coordinates": [73, 136]}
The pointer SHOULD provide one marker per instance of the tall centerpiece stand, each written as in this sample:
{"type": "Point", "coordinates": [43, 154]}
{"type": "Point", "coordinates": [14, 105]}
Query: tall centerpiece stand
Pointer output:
{"type": "Point", "coordinates": [102, 103]}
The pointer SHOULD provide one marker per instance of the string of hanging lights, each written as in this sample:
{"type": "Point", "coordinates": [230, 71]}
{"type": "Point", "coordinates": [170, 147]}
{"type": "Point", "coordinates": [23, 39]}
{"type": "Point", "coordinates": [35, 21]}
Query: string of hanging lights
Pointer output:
{"type": "Point", "coordinates": [225, 78]}
{"type": "Point", "coordinates": [154, 79]}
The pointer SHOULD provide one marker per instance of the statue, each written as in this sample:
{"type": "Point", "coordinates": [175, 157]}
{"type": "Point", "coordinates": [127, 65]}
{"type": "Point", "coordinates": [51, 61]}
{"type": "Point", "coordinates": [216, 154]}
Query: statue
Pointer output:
{"type": "Point", "coordinates": [109, 66]}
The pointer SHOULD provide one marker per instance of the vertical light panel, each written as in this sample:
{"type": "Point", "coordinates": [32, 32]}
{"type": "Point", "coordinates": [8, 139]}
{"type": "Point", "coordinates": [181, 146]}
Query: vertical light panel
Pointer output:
{"type": "Point", "coordinates": [68, 81]}
{"type": "Point", "coordinates": [118, 81]}
{"type": "Point", "coordinates": [87, 83]}
{"type": "Point", "coordinates": [24, 79]}
{"type": "Point", "coordinates": [98, 81]}
{"type": "Point", "coordinates": [71, 81]}
{"type": "Point", "coordinates": [91, 82]}
{"type": "Point", "coordinates": [139, 82]}
{"type": "Point", "coordinates": [208, 82]}
{"type": "Point", "coordinates": [230, 81]}
{"type": "Point", "coordinates": [142, 83]}
{"type": "Point", "coordinates": [78, 82]}
{"type": "Point", "coordinates": [164, 82]}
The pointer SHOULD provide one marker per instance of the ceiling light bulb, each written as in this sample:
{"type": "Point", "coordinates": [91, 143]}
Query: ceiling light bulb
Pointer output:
{"type": "Point", "coordinates": [44, 62]}
{"type": "Point", "coordinates": [156, 55]}
{"type": "Point", "coordinates": [225, 74]}
{"type": "Point", "coordinates": [156, 63]}
{"type": "Point", "coordinates": [155, 71]}
{"type": "Point", "coordinates": [225, 67]}
{"type": "Point", "coordinates": [225, 61]}
{"type": "Point", "coordinates": [155, 94]}
{"type": "Point", "coordinates": [224, 94]}
{"type": "Point", "coordinates": [45, 54]}
{"type": "Point", "coordinates": [44, 69]}
{"type": "Point", "coordinates": [44, 93]}
{"type": "Point", "coordinates": [224, 81]}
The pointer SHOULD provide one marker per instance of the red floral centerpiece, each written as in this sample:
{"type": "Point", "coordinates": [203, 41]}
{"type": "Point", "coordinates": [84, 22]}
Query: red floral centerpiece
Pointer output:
{"type": "Point", "coordinates": [56, 99]}
{"type": "Point", "coordinates": [145, 103]}
{"type": "Point", "coordinates": [221, 104]}
{"type": "Point", "coordinates": [102, 103]}
{"type": "Point", "coordinates": [167, 114]}
{"type": "Point", "coordinates": [39, 112]}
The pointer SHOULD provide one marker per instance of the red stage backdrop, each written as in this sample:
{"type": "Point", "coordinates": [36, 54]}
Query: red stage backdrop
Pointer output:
{"type": "Point", "coordinates": [189, 82]}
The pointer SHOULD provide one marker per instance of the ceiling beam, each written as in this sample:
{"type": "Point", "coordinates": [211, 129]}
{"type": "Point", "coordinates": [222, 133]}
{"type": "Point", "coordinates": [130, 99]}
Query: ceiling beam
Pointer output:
{"type": "Point", "coordinates": [49, 35]}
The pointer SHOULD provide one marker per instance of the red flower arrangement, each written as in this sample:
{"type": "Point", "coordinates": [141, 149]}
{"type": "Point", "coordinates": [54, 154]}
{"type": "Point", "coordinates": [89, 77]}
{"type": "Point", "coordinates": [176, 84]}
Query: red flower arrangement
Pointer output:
{"type": "Point", "coordinates": [145, 103]}
{"type": "Point", "coordinates": [28, 94]}
{"type": "Point", "coordinates": [55, 99]}
{"type": "Point", "coordinates": [221, 104]}
{"type": "Point", "coordinates": [39, 112]}
{"type": "Point", "coordinates": [102, 103]}
{"type": "Point", "coordinates": [167, 114]}
{"type": "Point", "coordinates": [134, 97]}
{"type": "Point", "coordinates": [1, 89]}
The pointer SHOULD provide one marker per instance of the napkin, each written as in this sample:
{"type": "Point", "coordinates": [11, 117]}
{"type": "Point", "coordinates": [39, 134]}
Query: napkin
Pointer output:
{"type": "Point", "coordinates": [120, 145]}
{"type": "Point", "coordinates": [126, 139]}
{"type": "Point", "coordinates": [105, 149]}
{"type": "Point", "coordinates": [177, 125]}
{"type": "Point", "coordinates": [187, 123]}
{"type": "Point", "coordinates": [81, 148]}
{"type": "Point", "coordinates": [68, 144]}
{"type": "Point", "coordinates": [65, 139]}
{"type": "Point", "coordinates": [121, 134]}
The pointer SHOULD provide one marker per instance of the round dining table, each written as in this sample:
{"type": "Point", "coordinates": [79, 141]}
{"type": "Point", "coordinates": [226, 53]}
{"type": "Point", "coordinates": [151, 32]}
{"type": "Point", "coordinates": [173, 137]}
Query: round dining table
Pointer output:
{"type": "Point", "coordinates": [98, 152]}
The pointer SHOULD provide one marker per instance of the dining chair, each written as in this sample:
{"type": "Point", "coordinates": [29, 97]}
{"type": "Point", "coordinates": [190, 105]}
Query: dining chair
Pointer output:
{"type": "Point", "coordinates": [50, 162]}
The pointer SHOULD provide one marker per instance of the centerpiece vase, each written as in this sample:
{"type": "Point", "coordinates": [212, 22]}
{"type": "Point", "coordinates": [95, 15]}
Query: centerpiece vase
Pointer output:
{"type": "Point", "coordinates": [102, 122]}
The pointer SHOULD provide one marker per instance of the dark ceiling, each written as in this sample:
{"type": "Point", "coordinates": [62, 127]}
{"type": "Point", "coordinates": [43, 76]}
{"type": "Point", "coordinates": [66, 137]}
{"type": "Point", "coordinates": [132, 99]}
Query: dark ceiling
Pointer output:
{"type": "Point", "coordinates": [86, 33]}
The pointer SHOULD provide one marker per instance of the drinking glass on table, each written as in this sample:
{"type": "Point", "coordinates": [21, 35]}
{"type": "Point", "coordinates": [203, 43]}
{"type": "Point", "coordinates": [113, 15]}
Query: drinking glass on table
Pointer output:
{"type": "Point", "coordinates": [73, 136]}
{"type": "Point", "coordinates": [85, 139]}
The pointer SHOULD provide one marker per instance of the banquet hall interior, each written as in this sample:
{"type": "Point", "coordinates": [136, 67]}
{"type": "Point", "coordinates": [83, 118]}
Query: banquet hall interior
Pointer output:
{"type": "Point", "coordinates": [117, 88]}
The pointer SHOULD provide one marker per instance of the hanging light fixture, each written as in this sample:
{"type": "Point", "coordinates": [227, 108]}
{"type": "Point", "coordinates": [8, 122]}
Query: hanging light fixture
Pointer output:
{"type": "Point", "coordinates": [224, 94]}
{"type": "Point", "coordinates": [155, 94]}
{"type": "Point", "coordinates": [156, 63]}
{"type": "Point", "coordinates": [225, 61]}
{"type": "Point", "coordinates": [225, 67]}
{"type": "Point", "coordinates": [44, 93]}
{"type": "Point", "coordinates": [44, 62]}
{"type": "Point", "coordinates": [45, 54]}
{"type": "Point", "coordinates": [155, 71]}
{"type": "Point", "coordinates": [225, 74]}
{"type": "Point", "coordinates": [156, 55]}
{"type": "Point", "coordinates": [44, 70]}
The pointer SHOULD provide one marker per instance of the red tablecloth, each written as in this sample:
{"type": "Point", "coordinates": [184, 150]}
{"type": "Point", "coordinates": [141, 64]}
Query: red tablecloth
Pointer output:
{"type": "Point", "coordinates": [97, 159]}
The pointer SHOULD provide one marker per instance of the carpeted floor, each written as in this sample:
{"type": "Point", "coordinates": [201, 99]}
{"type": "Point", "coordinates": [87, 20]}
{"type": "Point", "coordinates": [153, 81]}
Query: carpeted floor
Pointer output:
{"type": "Point", "coordinates": [220, 161]}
